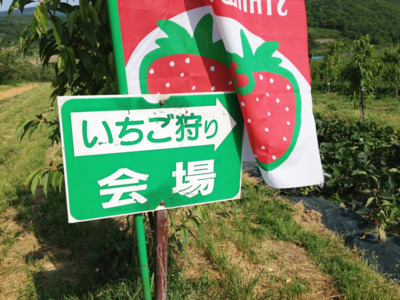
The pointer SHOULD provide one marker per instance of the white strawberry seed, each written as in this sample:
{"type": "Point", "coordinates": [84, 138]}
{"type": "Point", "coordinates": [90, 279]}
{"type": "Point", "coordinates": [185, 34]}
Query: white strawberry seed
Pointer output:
{"type": "Point", "coordinates": [172, 63]}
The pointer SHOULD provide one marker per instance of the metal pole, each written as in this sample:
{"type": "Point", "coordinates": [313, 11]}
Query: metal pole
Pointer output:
{"type": "Point", "coordinates": [123, 89]}
{"type": "Point", "coordinates": [117, 46]}
{"type": "Point", "coordinates": [161, 254]}
{"type": "Point", "coordinates": [144, 267]}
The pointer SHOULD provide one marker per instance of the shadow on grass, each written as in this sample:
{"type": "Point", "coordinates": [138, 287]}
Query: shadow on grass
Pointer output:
{"type": "Point", "coordinates": [84, 260]}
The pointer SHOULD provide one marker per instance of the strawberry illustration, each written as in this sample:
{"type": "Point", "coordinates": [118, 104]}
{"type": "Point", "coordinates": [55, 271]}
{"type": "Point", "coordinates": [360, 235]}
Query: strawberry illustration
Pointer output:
{"type": "Point", "coordinates": [268, 93]}
{"type": "Point", "coordinates": [196, 67]}
{"type": "Point", "coordinates": [270, 100]}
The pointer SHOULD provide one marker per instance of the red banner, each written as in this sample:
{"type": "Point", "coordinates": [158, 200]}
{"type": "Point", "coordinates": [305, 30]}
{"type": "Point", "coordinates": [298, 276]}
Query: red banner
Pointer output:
{"type": "Point", "coordinates": [256, 48]}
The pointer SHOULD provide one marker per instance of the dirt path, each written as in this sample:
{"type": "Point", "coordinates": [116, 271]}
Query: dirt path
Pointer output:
{"type": "Point", "coordinates": [16, 91]}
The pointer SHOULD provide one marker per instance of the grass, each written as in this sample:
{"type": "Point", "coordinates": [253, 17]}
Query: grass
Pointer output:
{"type": "Point", "coordinates": [383, 111]}
{"type": "Point", "coordinates": [5, 87]}
{"type": "Point", "coordinates": [252, 248]}
{"type": "Point", "coordinates": [17, 159]}
{"type": "Point", "coordinates": [236, 264]}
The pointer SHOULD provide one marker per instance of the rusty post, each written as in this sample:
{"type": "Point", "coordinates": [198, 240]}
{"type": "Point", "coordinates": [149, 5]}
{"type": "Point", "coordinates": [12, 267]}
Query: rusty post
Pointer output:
{"type": "Point", "coordinates": [161, 253]}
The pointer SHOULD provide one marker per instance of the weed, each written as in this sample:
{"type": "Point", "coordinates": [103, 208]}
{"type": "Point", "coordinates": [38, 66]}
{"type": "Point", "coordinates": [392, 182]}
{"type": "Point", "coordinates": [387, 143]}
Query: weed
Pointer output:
{"type": "Point", "coordinates": [216, 251]}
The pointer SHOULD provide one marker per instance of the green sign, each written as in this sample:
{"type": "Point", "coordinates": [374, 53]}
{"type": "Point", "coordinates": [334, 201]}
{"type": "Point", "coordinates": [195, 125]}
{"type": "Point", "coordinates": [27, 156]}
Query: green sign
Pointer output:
{"type": "Point", "coordinates": [126, 155]}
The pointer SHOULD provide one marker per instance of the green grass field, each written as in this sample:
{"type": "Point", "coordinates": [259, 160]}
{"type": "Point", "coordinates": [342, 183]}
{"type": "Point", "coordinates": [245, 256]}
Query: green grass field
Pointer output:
{"type": "Point", "coordinates": [384, 112]}
{"type": "Point", "coordinates": [259, 247]}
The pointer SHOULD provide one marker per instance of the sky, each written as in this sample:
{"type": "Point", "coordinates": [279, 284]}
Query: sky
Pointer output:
{"type": "Point", "coordinates": [6, 3]}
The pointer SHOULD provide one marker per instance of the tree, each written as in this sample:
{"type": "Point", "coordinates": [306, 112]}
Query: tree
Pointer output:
{"type": "Point", "coordinates": [391, 59]}
{"type": "Point", "coordinates": [361, 70]}
{"type": "Point", "coordinates": [332, 63]}
{"type": "Point", "coordinates": [79, 36]}
{"type": "Point", "coordinates": [8, 64]}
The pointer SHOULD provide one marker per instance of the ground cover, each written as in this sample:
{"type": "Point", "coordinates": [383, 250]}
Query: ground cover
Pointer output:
{"type": "Point", "coordinates": [360, 158]}
{"type": "Point", "coordinates": [384, 111]}
{"type": "Point", "coordinates": [255, 248]}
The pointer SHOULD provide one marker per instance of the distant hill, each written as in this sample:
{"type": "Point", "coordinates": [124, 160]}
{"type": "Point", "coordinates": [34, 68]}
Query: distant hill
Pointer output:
{"type": "Point", "coordinates": [10, 29]}
{"type": "Point", "coordinates": [27, 12]}
{"type": "Point", "coordinates": [330, 19]}
{"type": "Point", "coordinates": [354, 18]}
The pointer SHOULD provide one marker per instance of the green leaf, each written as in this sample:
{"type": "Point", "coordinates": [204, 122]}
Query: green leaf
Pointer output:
{"type": "Point", "coordinates": [71, 56]}
{"type": "Point", "coordinates": [45, 182]}
{"type": "Point", "coordinates": [40, 15]}
{"type": "Point", "coordinates": [358, 172]}
{"type": "Point", "coordinates": [184, 235]}
{"type": "Point", "coordinates": [35, 126]}
{"type": "Point", "coordinates": [93, 15]}
{"type": "Point", "coordinates": [33, 180]}
{"type": "Point", "coordinates": [89, 33]}
{"type": "Point", "coordinates": [16, 4]}
{"type": "Point", "coordinates": [72, 17]}
{"type": "Point", "coordinates": [57, 181]}
{"type": "Point", "coordinates": [83, 9]}
{"type": "Point", "coordinates": [57, 29]}
{"type": "Point", "coordinates": [86, 60]}
{"type": "Point", "coordinates": [34, 184]}
{"type": "Point", "coordinates": [386, 203]}
{"type": "Point", "coordinates": [369, 201]}
{"type": "Point", "coordinates": [20, 130]}
{"type": "Point", "coordinates": [111, 62]}
{"type": "Point", "coordinates": [196, 223]}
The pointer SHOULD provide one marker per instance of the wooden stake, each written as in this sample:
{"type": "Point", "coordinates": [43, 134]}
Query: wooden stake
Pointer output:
{"type": "Point", "coordinates": [161, 254]}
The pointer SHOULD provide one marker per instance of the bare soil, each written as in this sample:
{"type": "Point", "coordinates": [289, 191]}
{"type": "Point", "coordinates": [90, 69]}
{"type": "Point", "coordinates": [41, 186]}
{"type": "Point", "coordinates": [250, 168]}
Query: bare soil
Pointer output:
{"type": "Point", "coordinates": [16, 91]}
{"type": "Point", "coordinates": [278, 263]}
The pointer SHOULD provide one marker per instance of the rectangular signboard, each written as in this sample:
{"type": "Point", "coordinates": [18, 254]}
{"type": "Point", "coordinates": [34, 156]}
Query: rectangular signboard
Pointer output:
{"type": "Point", "coordinates": [126, 154]}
